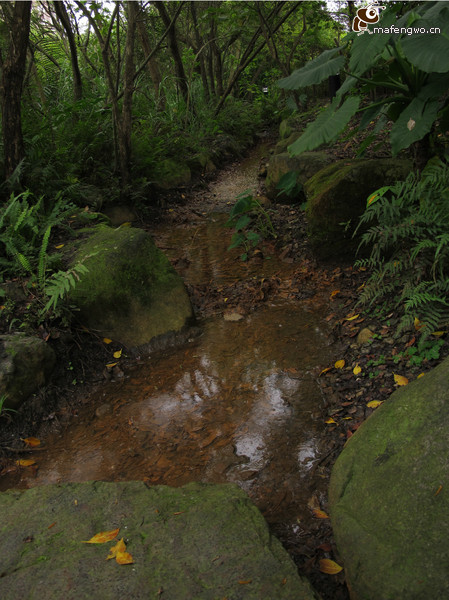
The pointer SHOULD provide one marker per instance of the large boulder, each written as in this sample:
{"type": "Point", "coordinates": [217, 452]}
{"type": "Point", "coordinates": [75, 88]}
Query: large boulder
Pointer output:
{"type": "Point", "coordinates": [131, 293]}
{"type": "Point", "coordinates": [336, 198]}
{"type": "Point", "coordinates": [305, 165]}
{"type": "Point", "coordinates": [25, 364]}
{"type": "Point", "coordinates": [389, 496]}
{"type": "Point", "coordinates": [203, 542]}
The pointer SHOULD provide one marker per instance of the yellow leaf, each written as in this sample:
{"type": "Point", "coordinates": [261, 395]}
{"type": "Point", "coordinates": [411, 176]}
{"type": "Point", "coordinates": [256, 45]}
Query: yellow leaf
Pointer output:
{"type": "Point", "coordinates": [320, 514]}
{"type": "Point", "coordinates": [329, 566]}
{"type": "Point", "coordinates": [420, 375]}
{"type": "Point", "coordinates": [110, 365]}
{"type": "Point", "coordinates": [439, 333]}
{"type": "Point", "coordinates": [107, 340]}
{"type": "Point", "coordinates": [400, 380]}
{"type": "Point", "coordinates": [120, 546]}
{"type": "Point", "coordinates": [356, 370]}
{"type": "Point", "coordinates": [325, 370]}
{"type": "Point", "coordinates": [418, 324]}
{"type": "Point", "coordinates": [334, 293]}
{"type": "Point", "coordinates": [371, 199]}
{"type": "Point", "coordinates": [330, 421]}
{"type": "Point", "coordinates": [374, 403]}
{"type": "Point", "coordinates": [25, 462]}
{"type": "Point", "coordinates": [339, 364]}
{"type": "Point", "coordinates": [124, 558]}
{"type": "Point", "coordinates": [438, 490]}
{"type": "Point", "coordinates": [60, 246]}
{"type": "Point", "coordinates": [103, 537]}
{"type": "Point", "coordinates": [31, 442]}
{"type": "Point", "coordinates": [117, 354]}
{"type": "Point", "coordinates": [353, 317]}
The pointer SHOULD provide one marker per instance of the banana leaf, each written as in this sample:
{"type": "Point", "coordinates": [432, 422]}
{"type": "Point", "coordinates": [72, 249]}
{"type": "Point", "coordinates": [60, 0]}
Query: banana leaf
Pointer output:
{"type": "Point", "coordinates": [314, 72]}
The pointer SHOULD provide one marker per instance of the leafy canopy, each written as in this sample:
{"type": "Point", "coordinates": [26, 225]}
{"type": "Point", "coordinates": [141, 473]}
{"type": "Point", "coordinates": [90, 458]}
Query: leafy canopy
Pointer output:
{"type": "Point", "coordinates": [403, 57]}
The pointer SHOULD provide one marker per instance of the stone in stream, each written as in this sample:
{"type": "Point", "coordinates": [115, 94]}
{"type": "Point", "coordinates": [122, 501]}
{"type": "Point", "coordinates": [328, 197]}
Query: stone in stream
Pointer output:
{"type": "Point", "coordinates": [25, 364]}
{"type": "Point", "coordinates": [201, 541]}
{"type": "Point", "coordinates": [389, 496]}
{"type": "Point", "coordinates": [131, 292]}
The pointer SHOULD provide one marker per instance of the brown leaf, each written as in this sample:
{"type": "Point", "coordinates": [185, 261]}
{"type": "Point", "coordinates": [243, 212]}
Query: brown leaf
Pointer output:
{"type": "Point", "coordinates": [320, 514]}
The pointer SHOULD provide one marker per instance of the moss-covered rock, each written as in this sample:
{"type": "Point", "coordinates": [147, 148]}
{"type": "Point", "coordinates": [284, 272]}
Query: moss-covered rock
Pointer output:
{"type": "Point", "coordinates": [306, 165]}
{"type": "Point", "coordinates": [390, 499]}
{"type": "Point", "coordinates": [25, 364]}
{"type": "Point", "coordinates": [336, 198]}
{"type": "Point", "coordinates": [199, 542]}
{"type": "Point", "coordinates": [171, 173]}
{"type": "Point", "coordinates": [283, 144]}
{"type": "Point", "coordinates": [131, 293]}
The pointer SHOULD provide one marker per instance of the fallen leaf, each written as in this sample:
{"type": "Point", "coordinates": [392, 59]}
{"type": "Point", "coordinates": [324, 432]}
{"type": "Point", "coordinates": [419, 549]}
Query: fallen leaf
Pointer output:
{"type": "Point", "coordinates": [117, 354]}
{"type": "Point", "coordinates": [59, 246]}
{"type": "Point", "coordinates": [107, 340]}
{"type": "Point", "coordinates": [31, 442]}
{"type": "Point", "coordinates": [103, 537]}
{"type": "Point", "coordinates": [25, 462]}
{"type": "Point", "coordinates": [374, 403]}
{"type": "Point", "coordinates": [326, 547]}
{"type": "Point", "coordinates": [420, 375]}
{"type": "Point", "coordinates": [120, 547]}
{"type": "Point", "coordinates": [417, 323]}
{"type": "Point", "coordinates": [400, 379]}
{"type": "Point", "coordinates": [339, 364]}
{"type": "Point", "coordinates": [329, 566]}
{"type": "Point", "coordinates": [356, 370]}
{"type": "Point", "coordinates": [124, 558]}
{"type": "Point", "coordinates": [320, 514]}
{"type": "Point", "coordinates": [110, 365]}
{"type": "Point", "coordinates": [334, 293]}
{"type": "Point", "coordinates": [330, 421]}
{"type": "Point", "coordinates": [353, 317]}
{"type": "Point", "coordinates": [439, 333]}
{"type": "Point", "coordinates": [438, 490]}
{"type": "Point", "coordinates": [244, 582]}
{"type": "Point", "coordinates": [325, 370]}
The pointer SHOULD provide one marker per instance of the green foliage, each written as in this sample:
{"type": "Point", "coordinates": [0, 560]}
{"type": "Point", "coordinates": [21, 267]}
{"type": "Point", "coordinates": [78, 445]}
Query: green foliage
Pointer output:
{"type": "Point", "coordinates": [289, 185]}
{"type": "Point", "coordinates": [409, 248]}
{"type": "Point", "coordinates": [251, 222]}
{"type": "Point", "coordinates": [4, 412]}
{"type": "Point", "coordinates": [425, 351]}
{"type": "Point", "coordinates": [412, 65]}
{"type": "Point", "coordinates": [25, 233]}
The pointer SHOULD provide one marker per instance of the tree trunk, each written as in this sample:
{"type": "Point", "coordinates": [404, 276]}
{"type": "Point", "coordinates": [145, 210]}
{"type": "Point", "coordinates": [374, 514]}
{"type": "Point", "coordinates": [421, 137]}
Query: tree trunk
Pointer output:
{"type": "Point", "coordinates": [65, 21]}
{"type": "Point", "coordinates": [152, 65]}
{"type": "Point", "coordinates": [13, 73]}
{"type": "Point", "coordinates": [174, 49]}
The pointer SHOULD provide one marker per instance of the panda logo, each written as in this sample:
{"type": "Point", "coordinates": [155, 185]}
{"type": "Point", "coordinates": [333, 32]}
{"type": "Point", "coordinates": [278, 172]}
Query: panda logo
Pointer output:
{"type": "Point", "coordinates": [366, 16]}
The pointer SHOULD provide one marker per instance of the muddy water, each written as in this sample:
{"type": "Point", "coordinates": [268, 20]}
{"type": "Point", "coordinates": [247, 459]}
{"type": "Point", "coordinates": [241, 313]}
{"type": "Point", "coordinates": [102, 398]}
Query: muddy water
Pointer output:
{"type": "Point", "coordinates": [238, 404]}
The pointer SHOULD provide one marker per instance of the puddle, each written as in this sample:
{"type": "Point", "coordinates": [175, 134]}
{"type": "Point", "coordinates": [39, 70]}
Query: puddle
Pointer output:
{"type": "Point", "coordinates": [239, 404]}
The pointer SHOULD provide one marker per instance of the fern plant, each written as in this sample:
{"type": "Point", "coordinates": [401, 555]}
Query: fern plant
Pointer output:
{"type": "Point", "coordinates": [409, 242]}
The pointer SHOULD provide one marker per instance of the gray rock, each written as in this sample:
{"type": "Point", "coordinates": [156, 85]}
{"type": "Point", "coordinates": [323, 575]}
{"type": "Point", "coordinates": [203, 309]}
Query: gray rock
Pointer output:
{"type": "Point", "coordinates": [25, 364]}
{"type": "Point", "coordinates": [389, 496]}
{"type": "Point", "coordinates": [202, 542]}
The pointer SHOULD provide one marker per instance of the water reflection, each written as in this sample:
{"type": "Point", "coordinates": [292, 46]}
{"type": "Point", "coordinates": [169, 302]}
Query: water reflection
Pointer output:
{"type": "Point", "coordinates": [237, 406]}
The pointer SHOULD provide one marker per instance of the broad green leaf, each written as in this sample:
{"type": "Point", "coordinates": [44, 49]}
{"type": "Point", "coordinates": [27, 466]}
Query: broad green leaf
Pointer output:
{"type": "Point", "coordinates": [243, 221]}
{"type": "Point", "coordinates": [429, 52]}
{"type": "Point", "coordinates": [237, 240]}
{"type": "Point", "coordinates": [413, 124]}
{"type": "Point", "coordinates": [367, 48]}
{"type": "Point", "coordinates": [327, 126]}
{"type": "Point", "coordinates": [314, 72]}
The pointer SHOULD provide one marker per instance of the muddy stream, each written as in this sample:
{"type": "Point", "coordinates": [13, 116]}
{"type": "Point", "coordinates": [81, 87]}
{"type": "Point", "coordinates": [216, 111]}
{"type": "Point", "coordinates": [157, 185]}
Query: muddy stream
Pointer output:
{"type": "Point", "coordinates": [240, 403]}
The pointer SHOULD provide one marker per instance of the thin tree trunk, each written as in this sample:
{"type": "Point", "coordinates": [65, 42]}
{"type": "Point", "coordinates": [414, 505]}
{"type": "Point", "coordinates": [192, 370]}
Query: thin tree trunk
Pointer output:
{"type": "Point", "coordinates": [13, 73]}
{"type": "Point", "coordinates": [152, 65]}
{"type": "Point", "coordinates": [63, 16]}
{"type": "Point", "coordinates": [174, 49]}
